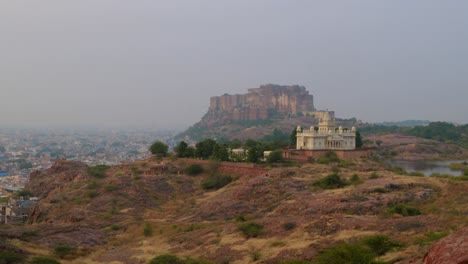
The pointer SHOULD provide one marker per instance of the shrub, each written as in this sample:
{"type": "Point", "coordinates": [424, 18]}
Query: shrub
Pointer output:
{"type": "Point", "coordinates": [345, 253]}
{"type": "Point", "coordinates": [295, 262]}
{"type": "Point", "coordinates": [98, 171]}
{"type": "Point", "coordinates": [251, 229]}
{"type": "Point", "coordinates": [10, 257]}
{"type": "Point", "coordinates": [110, 187]}
{"type": "Point", "coordinates": [194, 169]}
{"type": "Point", "coordinates": [147, 230]}
{"type": "Point", "coordinates": [329, 157]}
{"type": "Point", "coordinates": [275, 156]}
{"type": "Point", "coordinates": [374, 175]}
{"type": "Point", "coordinates": [331, 181]}
{"type": "Point", "coordinates": [380, 190]}
{"type": "Point", "coordinates": [255, 255]}
{"type": "Point", "coordinates": [289, 226]}
{"type": "Point", "coordinates": [24, 193]}
{"type": "Point", "coordinates": [62, 250]}
{"type": "Point", "coordinates": [355, 179]}
{"type": "Point", "coordinates": [92, 193]}
{"type": "Point", "coordinates": [216, 181]}
{"type": "Point", "coordinates": [92, 185]}
{"type": "Point", "coordinates": [240, 218]}
{"type": "Point", "coordinates": [43, 260]}
{"type": "Point", "coordinates": [167, 259]}
{"type": "Point", "coordinates": [114, 227]}
{"type": "Point", "coordinates": [173, 259]}
{"type": "Point", "coordinates": [380, 244]}
{"type": "Point", "coordinates": [404, 210]}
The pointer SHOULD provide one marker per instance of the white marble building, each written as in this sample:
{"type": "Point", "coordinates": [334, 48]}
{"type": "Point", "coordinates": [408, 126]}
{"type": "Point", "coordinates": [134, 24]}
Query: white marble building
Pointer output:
{"type": "Point", "coordinates": [326, 136]}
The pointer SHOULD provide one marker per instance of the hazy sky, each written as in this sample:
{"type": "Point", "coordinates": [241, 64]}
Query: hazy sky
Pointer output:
{"type": "Point", "coordinates": [156, 63]}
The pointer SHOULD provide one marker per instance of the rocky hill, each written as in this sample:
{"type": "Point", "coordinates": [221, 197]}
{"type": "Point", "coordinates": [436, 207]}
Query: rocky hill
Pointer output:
{"type": "Point", "coordinates": [257, 113]}
{"type": "Point", "coordinates": [133, 212]}
{"type": "Point", "coordinates": [259, 104]}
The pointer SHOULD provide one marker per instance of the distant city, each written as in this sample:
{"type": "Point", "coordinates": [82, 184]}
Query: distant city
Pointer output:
{"type": "Point", "coordinates": [23, 151]}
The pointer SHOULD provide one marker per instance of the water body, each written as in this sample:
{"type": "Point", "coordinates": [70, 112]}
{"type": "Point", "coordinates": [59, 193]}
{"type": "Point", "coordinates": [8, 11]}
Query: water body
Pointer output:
{"type": "Point", "coordinates": [427, 167]}
{"type": "Point", "coordinates": [3, 173]}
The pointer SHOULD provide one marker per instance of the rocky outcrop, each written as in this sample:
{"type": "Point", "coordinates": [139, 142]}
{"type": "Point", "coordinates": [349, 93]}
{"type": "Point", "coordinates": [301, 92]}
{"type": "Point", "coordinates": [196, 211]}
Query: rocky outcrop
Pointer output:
{"type": "Point", "coordinates": [260, 103]}
{"type": "Point", "coordinates": [450, 250]}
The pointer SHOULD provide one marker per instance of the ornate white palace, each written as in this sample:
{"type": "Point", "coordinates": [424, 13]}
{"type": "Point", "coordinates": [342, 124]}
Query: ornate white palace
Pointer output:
{"type": "Point", "coordinates": [326, 136]}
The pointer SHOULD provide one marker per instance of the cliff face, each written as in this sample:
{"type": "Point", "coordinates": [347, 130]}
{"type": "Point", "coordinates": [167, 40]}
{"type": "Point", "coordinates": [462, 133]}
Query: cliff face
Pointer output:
{"type": "Point", "coordinates": [260, 103]}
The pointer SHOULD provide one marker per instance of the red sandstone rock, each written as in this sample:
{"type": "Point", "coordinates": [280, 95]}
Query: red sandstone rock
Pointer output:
{"type": "Point", "coordinates": [451, 250]}
{"type": "Point", "coordinates": [261, 103]}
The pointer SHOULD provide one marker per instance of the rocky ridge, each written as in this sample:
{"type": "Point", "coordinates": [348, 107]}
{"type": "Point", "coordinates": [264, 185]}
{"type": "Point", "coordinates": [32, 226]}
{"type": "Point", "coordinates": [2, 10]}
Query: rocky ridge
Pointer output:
{"type": "Point", "coordinates": [105, 217]}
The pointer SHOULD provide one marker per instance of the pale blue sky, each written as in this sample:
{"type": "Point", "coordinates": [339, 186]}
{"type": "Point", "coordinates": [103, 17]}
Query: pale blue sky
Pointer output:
{"type": "Point", "coordinates": [156, 63]}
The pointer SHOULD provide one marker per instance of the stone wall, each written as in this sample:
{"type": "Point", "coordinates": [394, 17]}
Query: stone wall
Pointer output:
{"type": "Point", "coordinates": [261, 103]}
{"type": "Point", "coordinates": [309, 155]}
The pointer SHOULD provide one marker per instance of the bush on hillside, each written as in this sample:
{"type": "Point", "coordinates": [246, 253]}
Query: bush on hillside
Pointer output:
{"type": "Point", "coordinates": [194, 169]}
{"type": "Point", "coordinates": [98, 171]}
{"type": "Point", "coordinates": [216, 181]}
{"type": "Point", "coordinates": [346, 253]}
{"type": "Point", "coordinates": [43, 260]}
{"type": "Point", "coordinates": [10, 257]}
{"type": "Point", "coordinates": [331, 181]}
{"type": "Point", "coordinates": [251, 229]}
{"type": "Point", "coordinates": [380, 244]}
{"type": "Point", "coordinates": [404, 210]}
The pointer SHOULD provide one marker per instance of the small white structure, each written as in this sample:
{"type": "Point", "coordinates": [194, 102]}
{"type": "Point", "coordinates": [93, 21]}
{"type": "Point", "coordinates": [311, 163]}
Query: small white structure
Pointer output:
{"type": "Point", "coordinates": [326, 136]}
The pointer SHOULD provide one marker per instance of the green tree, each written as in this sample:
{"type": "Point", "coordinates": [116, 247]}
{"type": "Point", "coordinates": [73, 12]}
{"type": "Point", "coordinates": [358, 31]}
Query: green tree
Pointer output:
{"type": "Point", "coordinates": [204, 149]}
{"type": "Point", "coordinates": [253, 154]}
{"type": "Point", "coordinates": [293, 138]}
{"type": "Point", "coordinates": [220, 152]}
{"type": "Point", "coordinates": [275, 156]}
{"type": "Point", "coordinates": [159, 149]}
{"type": "Point", "coordinates": [358, 140]}
{"type": "Point", "coordinates": [234, 144]}
{"type": "Point", "coordinates": [181, 149]}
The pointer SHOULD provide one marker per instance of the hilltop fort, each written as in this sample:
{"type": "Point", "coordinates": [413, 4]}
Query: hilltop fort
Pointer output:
{"type": "Point", "coordinates": [257, 113]}
{"type": "Point", "coordinates": [261, 103]}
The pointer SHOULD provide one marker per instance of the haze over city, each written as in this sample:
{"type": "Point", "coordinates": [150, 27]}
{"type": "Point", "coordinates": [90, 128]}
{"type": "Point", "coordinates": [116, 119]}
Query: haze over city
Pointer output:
{"type": "Point", "coordinates": [155, 64]}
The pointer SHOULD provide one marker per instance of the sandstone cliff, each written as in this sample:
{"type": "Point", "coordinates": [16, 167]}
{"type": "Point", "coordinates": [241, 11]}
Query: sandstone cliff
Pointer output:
{"type": "Point", "coordinates": [260, 103]}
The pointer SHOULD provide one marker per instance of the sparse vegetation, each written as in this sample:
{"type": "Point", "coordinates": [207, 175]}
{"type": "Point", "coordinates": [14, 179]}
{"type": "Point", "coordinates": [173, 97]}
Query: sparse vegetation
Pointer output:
{"type": "Point", "coordinates": [194, 169]}
{"type": "Point", "coordinates": [329, 157]}
{"type": "Point", "coordinates": [346, 253]}
{"type": "Point", "coordinates": [173, 259]}
{"type": "Point", "coordinates": [289, 226]}
{"type": "Point", "coordinates": [251, 229]}
{"type": "Point", "coordinates": [10, 257]}
{"type": "Point", "coordinates": [275, 156]}
{"type": "Point", "coordinates": [355, 179]}
{"type": "Point", "coordinates": [24, 193]}
{"type": "Point", "coordinates": [92, 193]}
{"type": "Point", "coordinates": [240, 218]}
{"type": "Point", "coordinates": [331, 181]}
{"type": "Point", "coordinates": [147, 230]}
{"type": "Point", "coordinates": [380, 244]}
{"type": "Point", "coordinates": [430, 237]}
{"type": "Point", "coordinates": [98, 171]}
{"type": "Point", "coordinates": [216, 181]}
{"type": "Point", "coordinates": [374, 175]}
{"type": "Point", "coordinates": [404, 210]}
{"type": "Point", "coordinates": [43, 260]}
{"type": "Point", "coordinates": [62, 250]}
